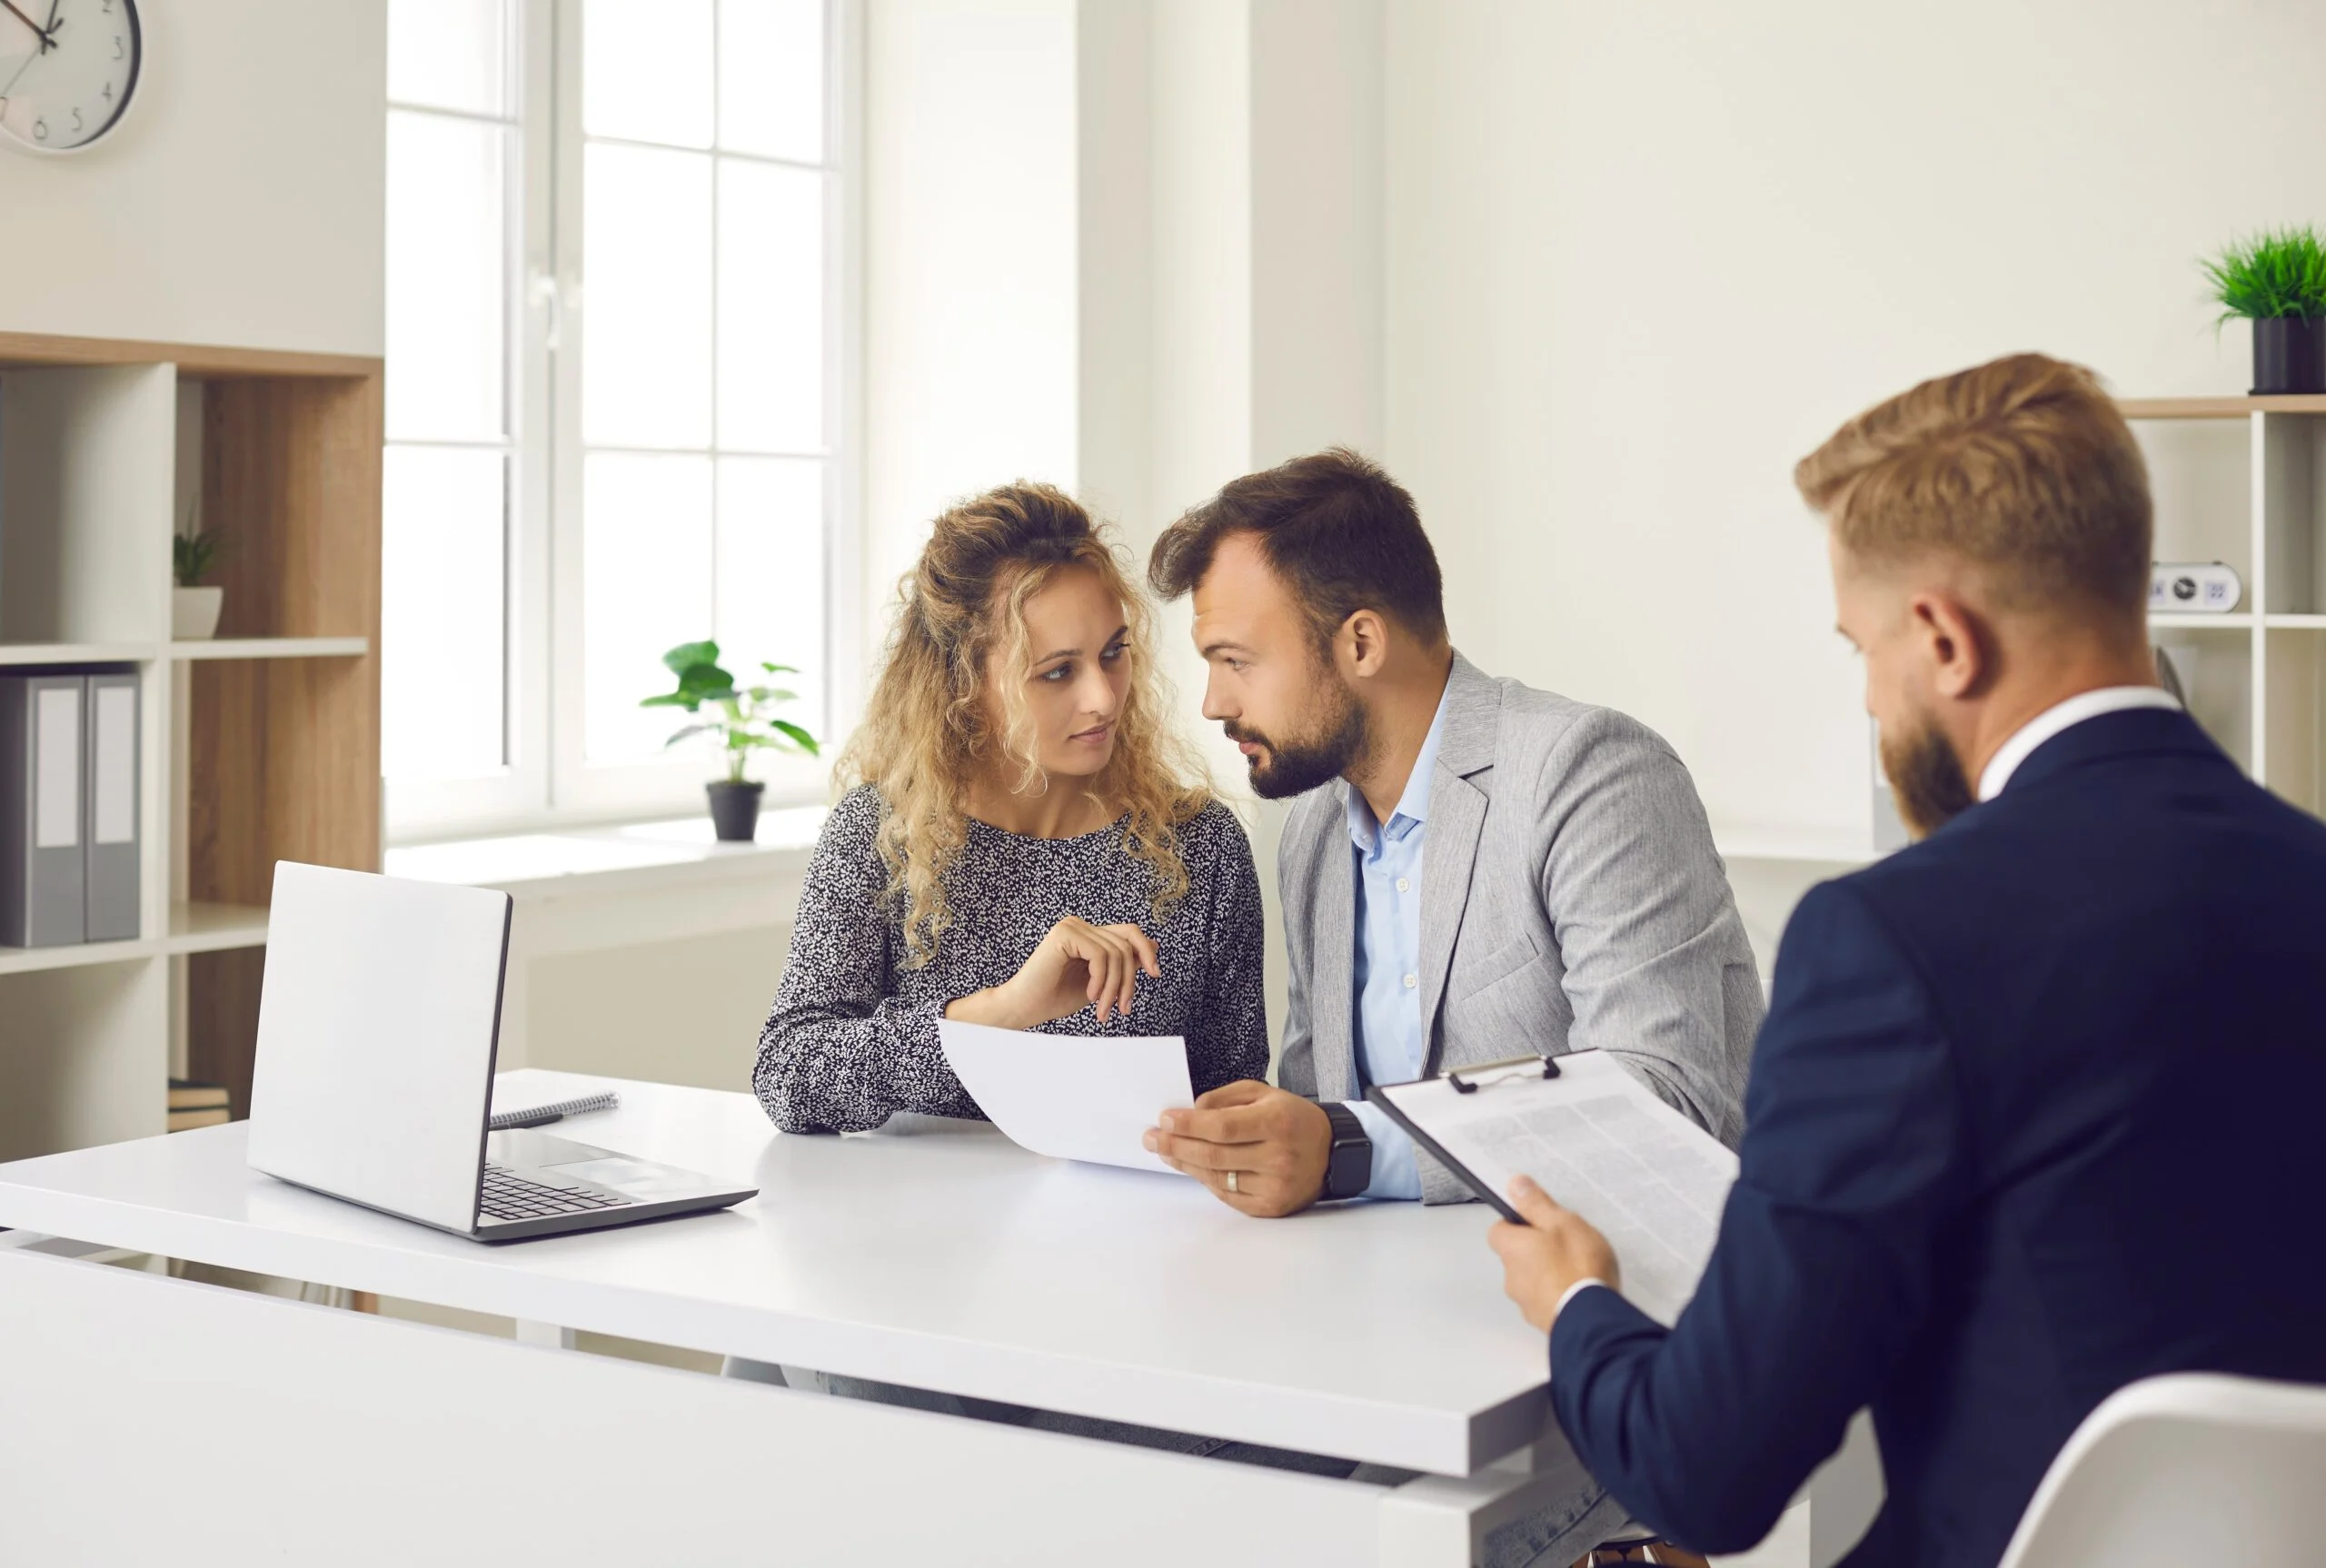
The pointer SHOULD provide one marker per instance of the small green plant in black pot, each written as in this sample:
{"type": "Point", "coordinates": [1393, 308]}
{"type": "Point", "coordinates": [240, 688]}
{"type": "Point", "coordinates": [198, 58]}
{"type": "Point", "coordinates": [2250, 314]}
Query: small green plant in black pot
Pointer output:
{"type": "Point", "coordinates": [2277, 280]}
{"type": "Point", "coordinates": [742, 718]}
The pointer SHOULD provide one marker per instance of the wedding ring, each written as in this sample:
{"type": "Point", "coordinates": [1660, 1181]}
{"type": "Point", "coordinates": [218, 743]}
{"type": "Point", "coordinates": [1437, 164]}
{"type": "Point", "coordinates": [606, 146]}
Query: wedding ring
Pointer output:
{"type": "Point", "coordinates": [1232, 1176]}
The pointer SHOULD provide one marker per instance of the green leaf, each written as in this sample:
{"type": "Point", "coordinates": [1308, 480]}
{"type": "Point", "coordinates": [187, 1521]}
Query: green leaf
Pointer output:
{"type": "Point", "coordinates": [2275, 272]}
{"type": "Point", "coordinates": [191, 555]}
{"type": "Point", "coordinates": [806, 741]}
{"type": "Point", "coordinates": [669, 699]}
{"type": "Point", "coordinates": [687, 733]}
{"type": "Point", "coordinates": [780, 669]}
{"type": "Point", "coordinates": [687, 654]}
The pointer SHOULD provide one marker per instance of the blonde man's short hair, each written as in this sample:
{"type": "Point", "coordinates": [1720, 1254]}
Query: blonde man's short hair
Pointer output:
{"type": "Point", "coordinates": [2023, 467]}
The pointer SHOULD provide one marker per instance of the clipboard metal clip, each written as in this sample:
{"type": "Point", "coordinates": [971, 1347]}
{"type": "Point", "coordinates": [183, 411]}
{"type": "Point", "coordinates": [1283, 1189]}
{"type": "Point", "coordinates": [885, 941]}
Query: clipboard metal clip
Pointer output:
{"type": "Point", "coordinates": [1503, 1071]}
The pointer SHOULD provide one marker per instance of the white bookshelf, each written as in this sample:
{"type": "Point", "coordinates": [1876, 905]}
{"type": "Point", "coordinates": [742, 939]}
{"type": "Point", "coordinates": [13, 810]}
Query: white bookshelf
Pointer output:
{"type": "Point", "coordinates": [22, 653]}
{"type": "Point", "coordinates": [273, 648]}
{"type": "Point", "coordinates": [103, 447]}
{"type": "Point", "coordinates": [2245, 479]}
{"type": "Point", "coordinates": [2238, 480]}
{"type": "Point", "coordinates": [193, 927]}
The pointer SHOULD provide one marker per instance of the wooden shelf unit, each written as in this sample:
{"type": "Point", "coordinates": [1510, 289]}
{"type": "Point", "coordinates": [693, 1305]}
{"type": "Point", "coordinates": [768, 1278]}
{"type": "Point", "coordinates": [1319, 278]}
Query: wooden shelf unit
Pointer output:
{"type": "Point", "coordinates": [262, 744]}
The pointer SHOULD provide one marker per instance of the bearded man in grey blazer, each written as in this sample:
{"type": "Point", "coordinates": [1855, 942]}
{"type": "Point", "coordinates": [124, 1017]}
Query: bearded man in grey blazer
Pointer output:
{"type": "Point", "coordinates": [1474, 869]}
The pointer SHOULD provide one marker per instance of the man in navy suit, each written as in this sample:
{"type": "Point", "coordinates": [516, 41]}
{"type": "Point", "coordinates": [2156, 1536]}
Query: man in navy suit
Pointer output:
{"type": "Point", "coordinates": [2036, 1110]}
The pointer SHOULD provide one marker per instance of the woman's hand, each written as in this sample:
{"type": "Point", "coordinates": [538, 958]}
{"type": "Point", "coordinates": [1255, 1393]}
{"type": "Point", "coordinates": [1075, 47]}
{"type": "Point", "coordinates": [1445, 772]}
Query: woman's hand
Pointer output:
{"type": "Point", "coordinates": [1077, 964]}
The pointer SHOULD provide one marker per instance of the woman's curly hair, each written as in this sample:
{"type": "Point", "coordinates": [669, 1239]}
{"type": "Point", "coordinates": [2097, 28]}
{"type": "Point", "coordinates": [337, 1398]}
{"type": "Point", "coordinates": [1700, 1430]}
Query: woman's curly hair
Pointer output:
{"type": "Point", "coordinates": [926, 735]}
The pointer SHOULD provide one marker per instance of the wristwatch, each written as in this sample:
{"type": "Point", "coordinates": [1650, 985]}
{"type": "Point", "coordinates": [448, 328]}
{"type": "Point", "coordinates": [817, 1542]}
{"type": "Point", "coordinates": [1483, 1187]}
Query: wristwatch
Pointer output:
{"type": "Point", "coordinates": [1348, 1169]}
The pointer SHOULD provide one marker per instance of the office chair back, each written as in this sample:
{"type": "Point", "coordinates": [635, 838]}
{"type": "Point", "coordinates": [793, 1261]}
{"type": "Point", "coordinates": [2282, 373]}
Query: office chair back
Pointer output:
{"type": "Point", "coordinates": [2192, 1467]}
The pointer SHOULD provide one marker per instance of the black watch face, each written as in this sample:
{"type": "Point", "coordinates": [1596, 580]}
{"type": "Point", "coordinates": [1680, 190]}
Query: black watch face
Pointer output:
{"type": "Point", "coordinates": [1351, 1170]}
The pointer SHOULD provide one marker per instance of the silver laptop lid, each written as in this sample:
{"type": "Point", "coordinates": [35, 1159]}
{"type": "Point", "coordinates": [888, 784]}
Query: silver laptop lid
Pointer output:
{"type": "Point", "coordinates": [376, 1029]}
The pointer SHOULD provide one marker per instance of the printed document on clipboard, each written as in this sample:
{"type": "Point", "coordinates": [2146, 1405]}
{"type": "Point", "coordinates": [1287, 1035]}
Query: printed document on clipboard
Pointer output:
{"type": "Point", "coordinates": [1599, 1142]}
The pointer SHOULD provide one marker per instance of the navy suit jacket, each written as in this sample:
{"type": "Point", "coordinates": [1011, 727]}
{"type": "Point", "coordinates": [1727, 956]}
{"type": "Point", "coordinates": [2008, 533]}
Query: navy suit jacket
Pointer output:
{"type": "Point", "coordinates": [2035, 1113]}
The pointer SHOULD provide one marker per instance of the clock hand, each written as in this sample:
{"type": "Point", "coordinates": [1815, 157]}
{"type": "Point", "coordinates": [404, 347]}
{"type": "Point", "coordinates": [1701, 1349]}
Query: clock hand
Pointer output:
{"type": "Point", "coordinates": [28, 21]}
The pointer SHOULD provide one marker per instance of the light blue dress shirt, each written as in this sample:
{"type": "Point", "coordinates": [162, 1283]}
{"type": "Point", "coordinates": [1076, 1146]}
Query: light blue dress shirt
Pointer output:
{"type": "Point", "coordinates": [1390, 1045]}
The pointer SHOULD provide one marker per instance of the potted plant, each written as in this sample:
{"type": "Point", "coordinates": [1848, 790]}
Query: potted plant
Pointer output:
{"type": "Point", "coordinates": [744, 722]}
{"type": "Point", "coordinates": [194, 606]}
{"type": "Point", "coordinates": [2277, 280]}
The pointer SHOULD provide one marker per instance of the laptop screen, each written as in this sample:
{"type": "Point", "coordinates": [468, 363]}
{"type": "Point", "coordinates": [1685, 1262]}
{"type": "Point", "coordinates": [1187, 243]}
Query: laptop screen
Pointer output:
{"type": "Point", "coordinates": [376, 1029]}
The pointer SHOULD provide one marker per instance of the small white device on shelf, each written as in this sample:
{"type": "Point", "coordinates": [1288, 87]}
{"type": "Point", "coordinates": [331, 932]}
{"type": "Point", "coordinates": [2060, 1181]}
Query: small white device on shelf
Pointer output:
{"type": "Point", "coordinates": [2182, 587]}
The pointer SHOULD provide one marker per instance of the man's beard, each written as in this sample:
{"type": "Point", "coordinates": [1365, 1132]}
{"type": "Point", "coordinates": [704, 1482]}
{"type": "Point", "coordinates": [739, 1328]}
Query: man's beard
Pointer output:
{"type": "Point", "coordinates": [1926, 778]}
{"type": "Point", "coordinates": [1294, 767]}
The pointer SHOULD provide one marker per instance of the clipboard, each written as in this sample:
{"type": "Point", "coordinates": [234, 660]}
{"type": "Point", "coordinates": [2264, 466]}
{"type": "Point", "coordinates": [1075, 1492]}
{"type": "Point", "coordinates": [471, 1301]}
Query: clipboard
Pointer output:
{"type": "Point", "coordinates": [1600, 1140]}
{"type": "Point", "coordinates": [1465, 1081]}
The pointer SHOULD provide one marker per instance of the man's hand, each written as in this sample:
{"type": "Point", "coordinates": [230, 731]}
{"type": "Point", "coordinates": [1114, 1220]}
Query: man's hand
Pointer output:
{"type": "Point", "coordinates": [1544, 1257]}
{"type": "Point", "coordinates": [1276, 1143]}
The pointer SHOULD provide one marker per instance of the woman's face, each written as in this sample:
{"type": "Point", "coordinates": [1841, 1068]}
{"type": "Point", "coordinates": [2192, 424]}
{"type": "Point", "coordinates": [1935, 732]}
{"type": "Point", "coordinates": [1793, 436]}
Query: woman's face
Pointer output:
{"type": "Point", "coordinates": [1076, 632]}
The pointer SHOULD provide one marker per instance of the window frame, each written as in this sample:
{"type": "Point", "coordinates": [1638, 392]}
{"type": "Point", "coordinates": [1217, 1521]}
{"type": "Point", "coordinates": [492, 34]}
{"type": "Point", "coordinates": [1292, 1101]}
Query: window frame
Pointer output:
{"type": "Point", "coordinates": [546, 782]}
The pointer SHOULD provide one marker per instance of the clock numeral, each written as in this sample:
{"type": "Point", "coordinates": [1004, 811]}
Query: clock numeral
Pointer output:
{"type": "Point", "coordinates": [107, 93]}
{"type": "Point", "coordinates": [106, 7]}
{"type": "Point", "coordinates": [116, 46]}
{"type": "Point", "coordinates": [77, 119]}
{"type": "Point", "coordinates": [40, 129]}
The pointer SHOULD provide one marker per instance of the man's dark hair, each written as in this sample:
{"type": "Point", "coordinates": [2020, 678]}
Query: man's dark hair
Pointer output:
{"type": "Point", "coordinates": [1343, 535]}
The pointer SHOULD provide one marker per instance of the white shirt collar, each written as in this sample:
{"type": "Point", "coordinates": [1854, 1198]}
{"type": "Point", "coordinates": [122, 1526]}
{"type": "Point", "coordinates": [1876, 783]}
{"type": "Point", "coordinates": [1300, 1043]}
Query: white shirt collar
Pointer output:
{"type": "Point", "coordinates": [2061, 715]}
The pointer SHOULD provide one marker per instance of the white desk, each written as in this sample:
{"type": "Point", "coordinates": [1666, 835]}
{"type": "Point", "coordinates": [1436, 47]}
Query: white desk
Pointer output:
{"type": "Point", "coordinates": [934, 1255]}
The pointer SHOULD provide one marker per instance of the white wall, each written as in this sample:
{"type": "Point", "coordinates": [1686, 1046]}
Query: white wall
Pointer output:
{"type": "Point", "coordinates": [1643, 257]}
{"type": "Point", "coordinates": [1317, 192]}
{"type": "Point", "coordinates": [242, 201]}
{"type": "Point", "coordinates": [969, 282]}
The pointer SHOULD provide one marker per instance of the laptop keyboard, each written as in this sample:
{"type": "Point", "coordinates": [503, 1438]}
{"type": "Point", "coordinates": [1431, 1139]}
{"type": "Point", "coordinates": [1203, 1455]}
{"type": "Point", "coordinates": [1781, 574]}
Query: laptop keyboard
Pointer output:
{"type": "Point", "coordinates": [508, 1195]}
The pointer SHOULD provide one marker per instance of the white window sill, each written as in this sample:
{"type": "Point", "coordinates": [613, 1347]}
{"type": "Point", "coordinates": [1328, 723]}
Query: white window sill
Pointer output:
{"type": "Point", "coordinates": [590, 862]}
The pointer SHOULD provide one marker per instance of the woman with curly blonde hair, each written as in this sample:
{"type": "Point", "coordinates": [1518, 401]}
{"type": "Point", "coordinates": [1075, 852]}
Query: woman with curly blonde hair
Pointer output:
{"type": "Point", "coordinates": [1027, 842]}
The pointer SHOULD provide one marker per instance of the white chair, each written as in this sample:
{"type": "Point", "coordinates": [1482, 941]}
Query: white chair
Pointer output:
{"type": "Point", "coordinates": [2185, 1469]}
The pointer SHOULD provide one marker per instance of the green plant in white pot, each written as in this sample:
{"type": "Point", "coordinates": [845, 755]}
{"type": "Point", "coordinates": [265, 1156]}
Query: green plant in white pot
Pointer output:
{"type": "Point", "coordinates": [195, 604]}
{"type": "Point", "coordinates": [744, 720]}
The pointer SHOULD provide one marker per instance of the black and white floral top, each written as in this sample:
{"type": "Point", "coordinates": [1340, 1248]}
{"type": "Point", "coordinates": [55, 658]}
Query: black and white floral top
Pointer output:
{"type": "Point", "coordinates": [852, 1039]}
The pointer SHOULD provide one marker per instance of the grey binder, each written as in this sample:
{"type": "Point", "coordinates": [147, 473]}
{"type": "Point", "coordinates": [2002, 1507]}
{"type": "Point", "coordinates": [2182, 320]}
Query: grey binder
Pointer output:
{"type": "Point", "coordinates": [109, 778]}
{"type": "Point", "coordinates": [41, 809]}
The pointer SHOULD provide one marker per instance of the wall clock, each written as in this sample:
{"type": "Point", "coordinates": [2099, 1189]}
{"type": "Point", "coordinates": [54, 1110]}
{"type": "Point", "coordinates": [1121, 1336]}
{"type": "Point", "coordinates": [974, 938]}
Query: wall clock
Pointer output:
{"type": "Point", "coordinates": [68, 69]}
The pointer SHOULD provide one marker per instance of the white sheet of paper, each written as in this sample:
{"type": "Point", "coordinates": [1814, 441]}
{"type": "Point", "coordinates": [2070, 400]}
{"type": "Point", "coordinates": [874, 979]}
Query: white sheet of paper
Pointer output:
{"type": "Point", "coordinates": [1072, 1097]}
{"type": "Point", "coordinates": [1599, 1141]}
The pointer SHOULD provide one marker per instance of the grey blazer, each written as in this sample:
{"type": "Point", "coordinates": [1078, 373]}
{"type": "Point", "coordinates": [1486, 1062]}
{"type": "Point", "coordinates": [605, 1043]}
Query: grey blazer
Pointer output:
{"type": "Point", "coordinates": [1571, 900]}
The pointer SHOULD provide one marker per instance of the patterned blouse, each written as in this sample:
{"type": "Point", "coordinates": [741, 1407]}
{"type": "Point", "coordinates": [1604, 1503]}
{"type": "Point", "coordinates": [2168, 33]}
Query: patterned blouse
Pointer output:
{"type": "Point", "coordinates": [852, 1039]}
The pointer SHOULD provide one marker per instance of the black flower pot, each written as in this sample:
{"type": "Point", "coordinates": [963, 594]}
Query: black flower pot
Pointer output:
{"type": "Point", "coordinates": [735, 810]}
{"type": "Point", "coordinates": [2289, 354]}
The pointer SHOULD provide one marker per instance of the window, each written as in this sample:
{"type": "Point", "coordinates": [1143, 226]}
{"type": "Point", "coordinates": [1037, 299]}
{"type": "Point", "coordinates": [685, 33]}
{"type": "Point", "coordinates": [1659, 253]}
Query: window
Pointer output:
{"type": "Point", "coordinates": [614, 342]}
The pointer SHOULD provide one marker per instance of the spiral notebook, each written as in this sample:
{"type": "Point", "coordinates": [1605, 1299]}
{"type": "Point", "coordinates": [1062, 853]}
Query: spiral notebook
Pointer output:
{"type": "Point", "coordinates": [555, 1110]}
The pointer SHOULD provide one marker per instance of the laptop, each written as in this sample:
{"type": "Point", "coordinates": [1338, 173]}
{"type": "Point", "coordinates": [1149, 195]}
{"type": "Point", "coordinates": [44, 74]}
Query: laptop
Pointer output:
{"type": "Point", "coordinates": [378, 1023]}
